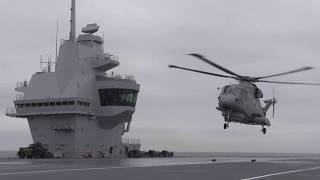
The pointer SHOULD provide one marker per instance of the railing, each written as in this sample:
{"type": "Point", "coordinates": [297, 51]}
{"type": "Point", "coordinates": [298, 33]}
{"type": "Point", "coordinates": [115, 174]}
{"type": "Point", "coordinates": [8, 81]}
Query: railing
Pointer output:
{"type": "Point", "coordinates": [115, 76]}
{"type": "Point", "coordinates": [22, 84]}
{"type": "Point", "coordinates": [11, 111]}
{"type": "Point", "coordinates": [111, 57]}
{"type": "Point", "coordinates": [105, 56]}
{"type": "Point", "coordinates": [19, 96]}
{"type": "Point", "coordinates": [30, 111]}
{"type": "Point", "coordinates": [48, 67]}
{"type": "Point", "coordinates": [130, 141]}
{"type": "Point", "coordinates": [51, 106]}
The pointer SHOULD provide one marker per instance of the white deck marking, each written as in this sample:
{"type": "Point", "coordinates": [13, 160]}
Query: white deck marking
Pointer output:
{"type": "Point", "coordinates": [101, 168]}
{"type": "Point", "coordinates": [60, 170]}
{"type": "Point", "coordinates": [118, 167]}
{"type": "Point", "coordinates": [281, 173]}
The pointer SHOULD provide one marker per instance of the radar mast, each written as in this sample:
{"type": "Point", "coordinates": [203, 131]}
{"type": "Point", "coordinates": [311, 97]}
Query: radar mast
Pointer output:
{"type": "Point", "coordinates": [73, 22]}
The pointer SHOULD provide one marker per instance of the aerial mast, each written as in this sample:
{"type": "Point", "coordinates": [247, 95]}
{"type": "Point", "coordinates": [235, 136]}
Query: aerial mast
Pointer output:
{"type": "Point", "coordinates": [57, 41]}
{"type": "Point", "coordinates": [73, 22]}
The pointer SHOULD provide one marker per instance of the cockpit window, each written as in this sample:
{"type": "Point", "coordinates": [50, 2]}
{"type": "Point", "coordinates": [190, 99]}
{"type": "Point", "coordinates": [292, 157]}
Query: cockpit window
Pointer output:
{"type": "Point", "coordinates": [233, 90]}
{"type": "Point", "coordinates": [224, 89]}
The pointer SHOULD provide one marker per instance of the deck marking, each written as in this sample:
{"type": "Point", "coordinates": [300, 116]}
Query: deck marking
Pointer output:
{"type": "Point", "coordinates": [116, 167]}
{"type": "Point", "coordinates": [60, 170]}
{"type": "Point", "coordinates": [281, 173]}
{"type": "Point", "coordinates": [100, 168]}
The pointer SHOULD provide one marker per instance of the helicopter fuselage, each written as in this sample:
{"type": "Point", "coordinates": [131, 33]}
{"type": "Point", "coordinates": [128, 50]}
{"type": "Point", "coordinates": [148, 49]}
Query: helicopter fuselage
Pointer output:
{"type": "Point", "coordinates": [241, 103]}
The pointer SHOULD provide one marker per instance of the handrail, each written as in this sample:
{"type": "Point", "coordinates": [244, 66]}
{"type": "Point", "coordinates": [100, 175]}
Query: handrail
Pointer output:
{"type": "Point", "coordinates": [11, 110]}
{"type": "Point", "coordinates": [111, 57]}
{"type": "Point", "coordinates": [131, 141]}
{"type": "Point", "coordinates": [115, 76]}
{"type": "Point", "coordinates": [19, 96]}
{"type": "Point", "coordinates": [22, 84]}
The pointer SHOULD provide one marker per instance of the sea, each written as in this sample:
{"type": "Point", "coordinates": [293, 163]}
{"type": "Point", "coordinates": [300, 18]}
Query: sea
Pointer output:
{"type": "Point", "coordinates": [8, 154]}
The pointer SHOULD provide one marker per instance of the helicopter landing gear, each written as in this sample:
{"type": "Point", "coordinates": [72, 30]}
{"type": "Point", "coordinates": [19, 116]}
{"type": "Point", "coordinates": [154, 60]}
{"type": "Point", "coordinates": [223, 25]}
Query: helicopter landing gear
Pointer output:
{"type": "Point", "coordinates": [264, 130]}
{"type": "Point", "coordinates": [227, 120]}
{"type": "Point", "coordinates": [226, 125]}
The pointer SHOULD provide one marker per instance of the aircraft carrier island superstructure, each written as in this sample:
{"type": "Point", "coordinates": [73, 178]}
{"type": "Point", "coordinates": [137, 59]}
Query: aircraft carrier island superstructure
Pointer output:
{"type": "Point", "coordinates": [77, 109]}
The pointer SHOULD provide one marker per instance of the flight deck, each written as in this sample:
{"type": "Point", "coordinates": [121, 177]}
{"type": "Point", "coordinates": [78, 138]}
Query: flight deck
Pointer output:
{"type": "Point", "coordinates": [178, 168]}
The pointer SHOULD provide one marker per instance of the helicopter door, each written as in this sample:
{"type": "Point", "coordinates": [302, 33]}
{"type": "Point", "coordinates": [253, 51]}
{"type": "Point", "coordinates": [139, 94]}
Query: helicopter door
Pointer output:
{"type": "Point", "coordinates": [243, 95]}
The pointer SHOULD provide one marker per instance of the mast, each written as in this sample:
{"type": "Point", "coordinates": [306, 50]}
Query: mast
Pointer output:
{"type": "Point", "coordinates": [57, 41]}
{"type": "Point", "coordinates": [73, 22]}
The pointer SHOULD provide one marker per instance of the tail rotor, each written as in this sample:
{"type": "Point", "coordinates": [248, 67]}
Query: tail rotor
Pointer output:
{"type": "Point", "coordinates": [274, 101]}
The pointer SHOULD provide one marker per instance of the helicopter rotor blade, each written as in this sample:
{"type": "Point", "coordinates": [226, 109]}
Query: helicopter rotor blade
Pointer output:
{"type": "Point", "coordinates": [284, 82]}
{"type": "Point", "coordinates": [306, 68]}
{"type": "Point", "coordinates": [203, 58]}
{"type": "Point", "coordinates": [202, 72]}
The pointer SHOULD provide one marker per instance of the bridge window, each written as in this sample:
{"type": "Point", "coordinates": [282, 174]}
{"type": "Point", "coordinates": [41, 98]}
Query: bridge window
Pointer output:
{"type": "Point", "coordinates": [118, 97]}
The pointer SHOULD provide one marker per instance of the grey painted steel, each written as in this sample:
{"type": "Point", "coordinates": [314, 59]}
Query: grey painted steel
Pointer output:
{"type": "Point", "coordinates": [179, 168]}
{"type": "Point", "coordinates": [63, 107]}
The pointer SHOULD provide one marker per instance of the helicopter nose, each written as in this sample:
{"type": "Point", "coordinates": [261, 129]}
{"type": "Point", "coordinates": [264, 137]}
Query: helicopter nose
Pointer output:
{"type": "Point", "coordinates": [227, 101]}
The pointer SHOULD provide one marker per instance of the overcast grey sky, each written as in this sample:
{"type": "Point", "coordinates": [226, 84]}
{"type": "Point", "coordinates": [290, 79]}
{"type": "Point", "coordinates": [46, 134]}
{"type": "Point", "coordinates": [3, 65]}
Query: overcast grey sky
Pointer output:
{"type": "Point", "coordinates": [176, 110]}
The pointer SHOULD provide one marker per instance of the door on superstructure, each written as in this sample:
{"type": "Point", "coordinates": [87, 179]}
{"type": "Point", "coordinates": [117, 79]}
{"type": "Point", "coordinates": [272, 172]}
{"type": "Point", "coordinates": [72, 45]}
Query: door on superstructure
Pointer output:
{"type": "Point", "coordinates": [110, 150]}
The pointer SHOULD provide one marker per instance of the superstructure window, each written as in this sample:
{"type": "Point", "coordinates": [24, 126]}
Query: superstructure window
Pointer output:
{"type": "Point", "coordinates": [118, 97]}
{"type": "Point", "coordinates": [71, 102]}
{"type": "Point", "coordinates": [19, 105]}
{"type": "Point", "coordinates": [82, 103]}
{"type": "Point", "coordinates": [47, 104]}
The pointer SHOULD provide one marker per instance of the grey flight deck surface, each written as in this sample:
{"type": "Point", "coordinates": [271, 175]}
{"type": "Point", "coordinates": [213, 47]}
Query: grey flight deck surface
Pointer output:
{"type": "Point", "coordinates": [177, 168]}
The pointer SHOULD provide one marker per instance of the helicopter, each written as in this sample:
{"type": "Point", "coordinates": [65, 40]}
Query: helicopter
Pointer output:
{"type": "Point", "coordinates": [240, 102]}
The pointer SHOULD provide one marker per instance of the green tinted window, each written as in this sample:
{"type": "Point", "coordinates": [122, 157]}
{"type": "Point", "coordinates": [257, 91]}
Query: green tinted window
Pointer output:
{"type": "Point", "coordinates": [118, 97]}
